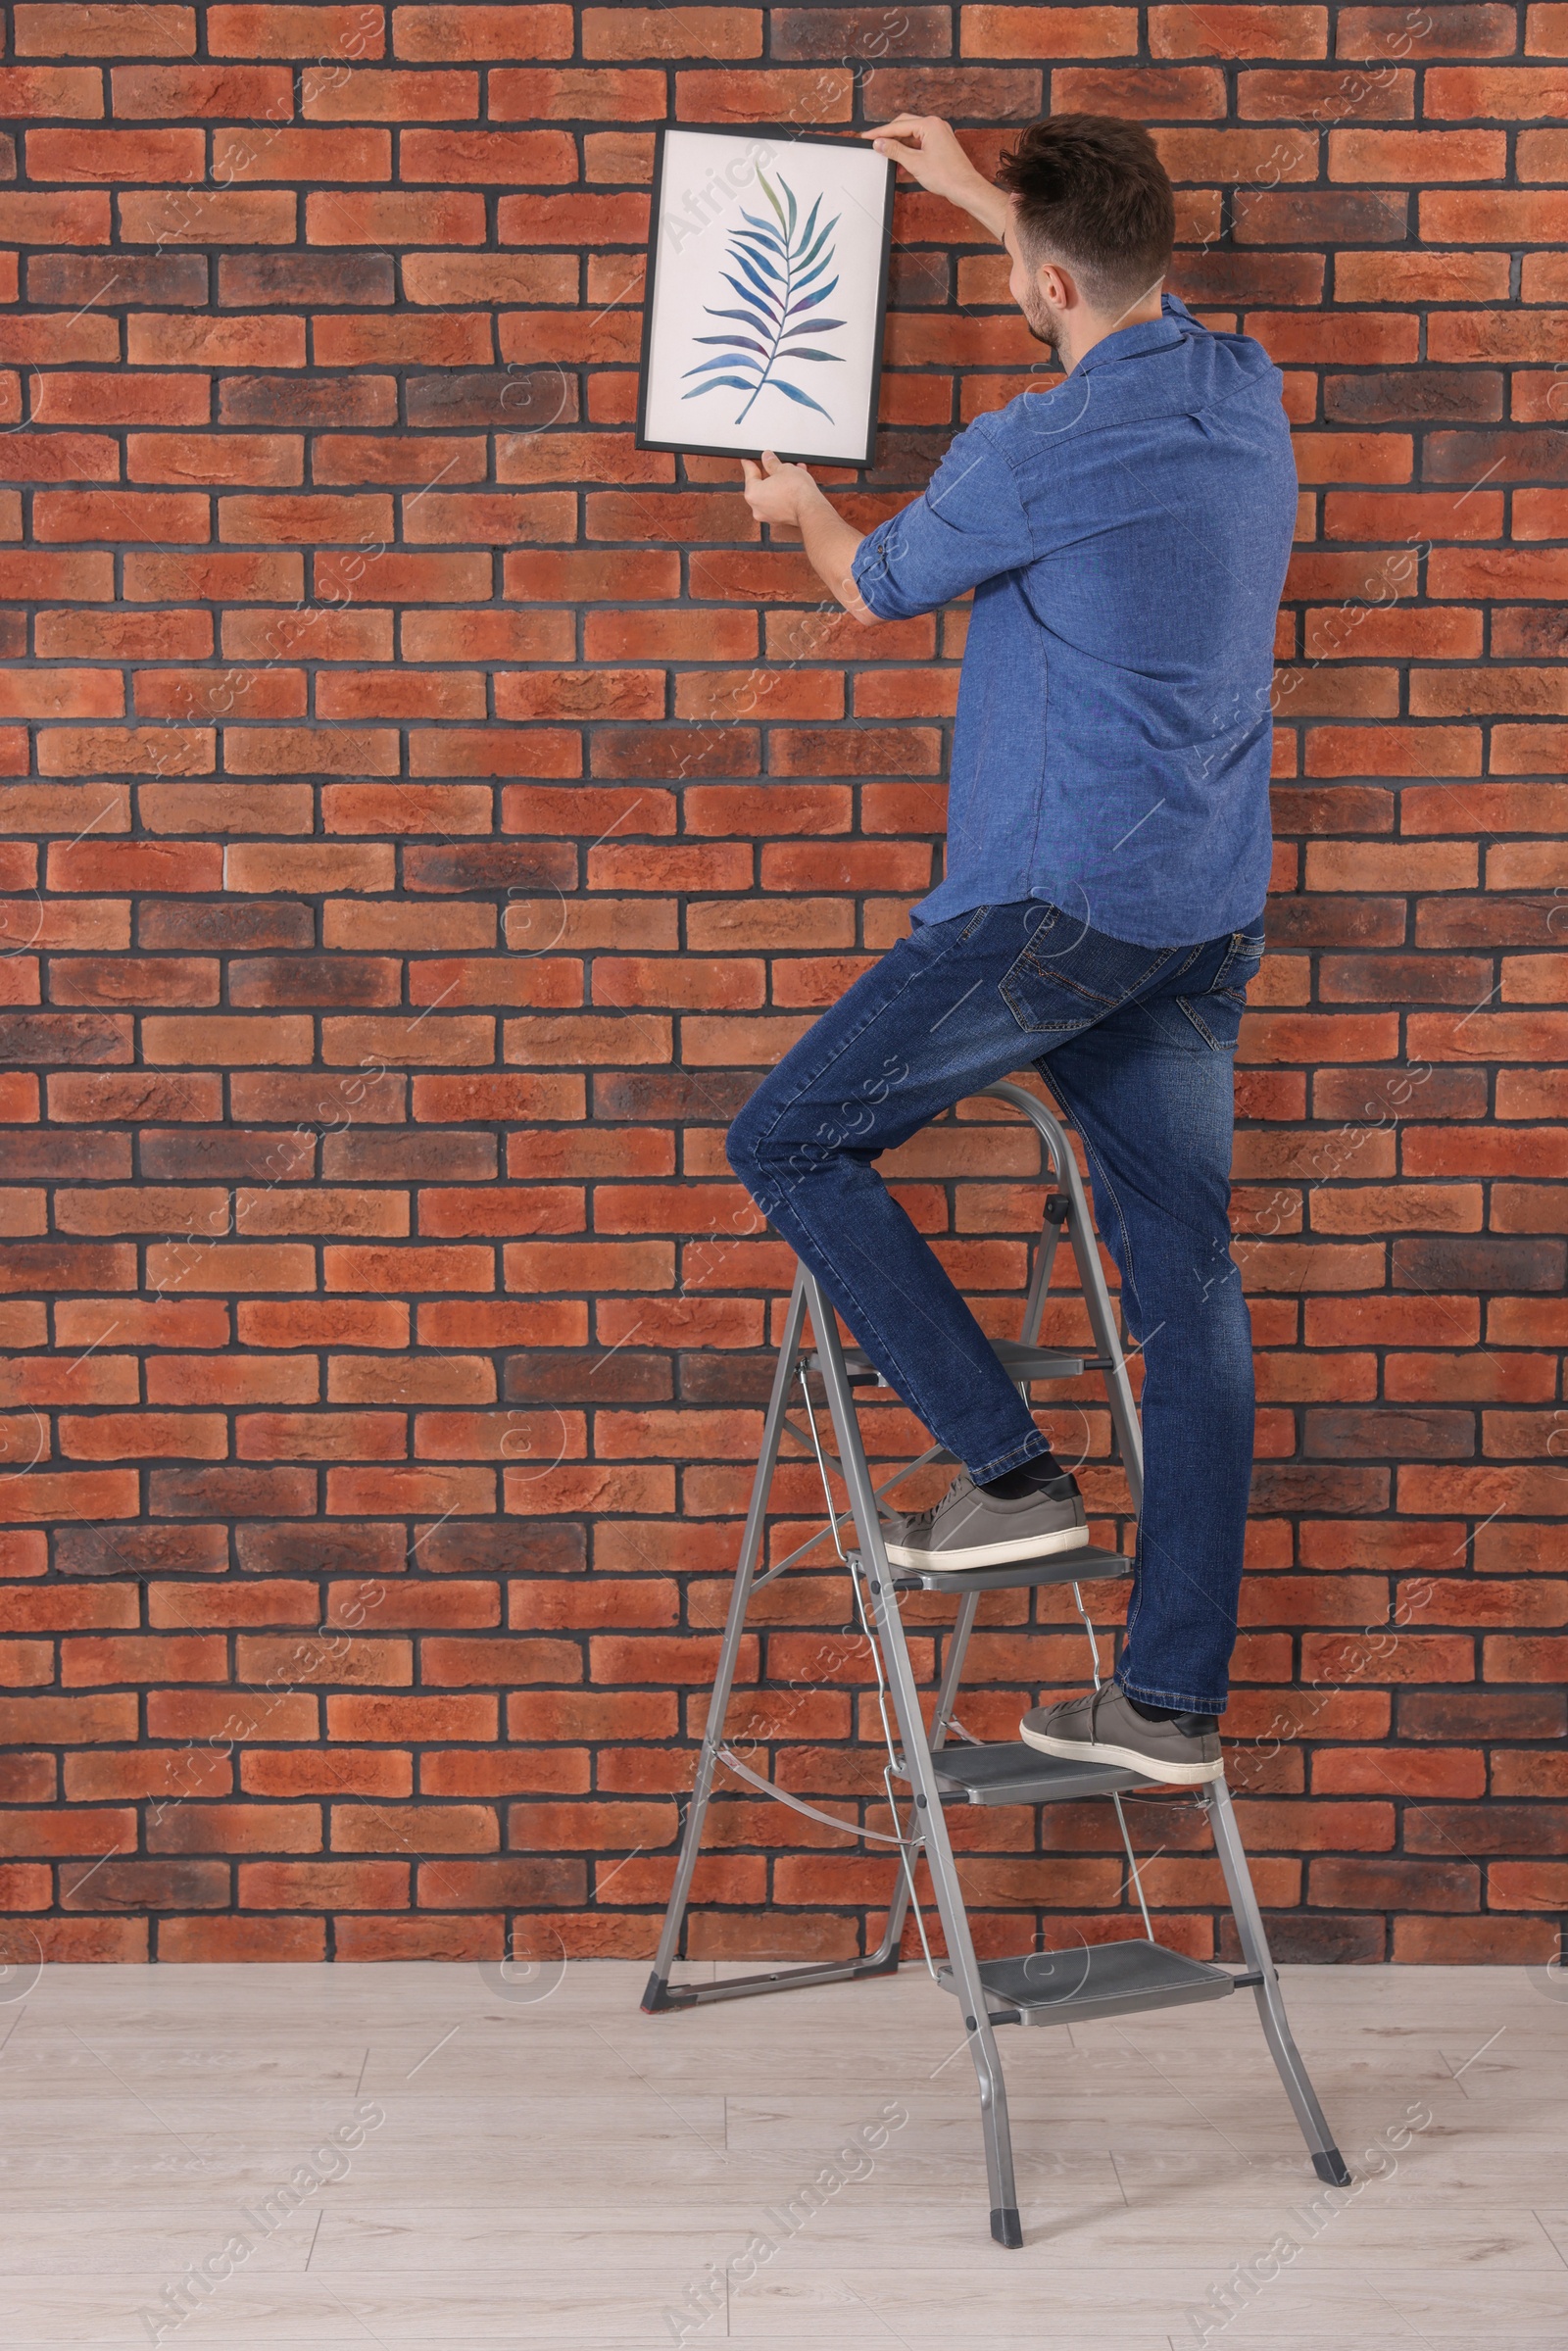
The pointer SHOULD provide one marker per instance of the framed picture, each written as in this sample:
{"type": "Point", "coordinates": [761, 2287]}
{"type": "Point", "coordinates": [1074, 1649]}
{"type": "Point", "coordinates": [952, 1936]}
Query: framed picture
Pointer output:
{"type": "Point", "coordinates": [767, 288]}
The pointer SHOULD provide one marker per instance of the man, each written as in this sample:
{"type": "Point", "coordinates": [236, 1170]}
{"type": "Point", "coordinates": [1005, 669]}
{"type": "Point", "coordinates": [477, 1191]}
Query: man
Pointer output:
{"type": "Point", "coordinates": [1125, 533]}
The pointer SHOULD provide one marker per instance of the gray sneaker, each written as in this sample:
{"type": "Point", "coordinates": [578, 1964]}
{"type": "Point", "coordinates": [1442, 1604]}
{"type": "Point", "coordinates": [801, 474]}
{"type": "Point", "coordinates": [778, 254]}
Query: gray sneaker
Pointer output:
{"type": "Point", "coordinates": [1105, 1727]}
{"type": "Point", "coordinates": [970, 1528]}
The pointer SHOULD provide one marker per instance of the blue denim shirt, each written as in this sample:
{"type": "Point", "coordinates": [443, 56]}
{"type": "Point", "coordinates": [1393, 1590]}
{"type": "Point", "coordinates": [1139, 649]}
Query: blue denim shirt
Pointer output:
{"type": "Point", "coordinates": [1126, 535]}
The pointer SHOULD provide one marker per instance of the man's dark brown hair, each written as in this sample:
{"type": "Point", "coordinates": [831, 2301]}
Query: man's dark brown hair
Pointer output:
{"type": "Point", "coordinates": [1092, 192]}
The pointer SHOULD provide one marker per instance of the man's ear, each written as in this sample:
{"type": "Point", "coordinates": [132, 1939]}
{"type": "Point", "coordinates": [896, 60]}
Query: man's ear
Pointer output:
{"type": "Point", "coordinates": [1057, 286]}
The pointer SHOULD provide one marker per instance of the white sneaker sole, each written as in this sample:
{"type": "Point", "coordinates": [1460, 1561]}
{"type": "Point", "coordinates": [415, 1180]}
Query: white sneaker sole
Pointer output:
{"type": "Point", "coordinates": [991, 1555]}
{"type": "Point", "coordinates": [1100, 1750]}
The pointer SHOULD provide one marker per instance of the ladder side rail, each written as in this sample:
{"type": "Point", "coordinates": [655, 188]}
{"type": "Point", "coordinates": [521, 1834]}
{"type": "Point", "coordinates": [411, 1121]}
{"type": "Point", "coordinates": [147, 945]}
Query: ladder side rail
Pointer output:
{"type": "Point", "coordinates": [1057, 1148]}
{"type": "Point", "coordinates": [1034, 1305]}
{"type": "Point", "coordinates": [734, 1628]}
{"type": "Point", "coordinates": [1040, 1280]}
{"type": "Point", "coordinates": [830, 1526]}
{"type": "Point", "coordinates": [1327, 2161]}
{"type": "Point", "coordinates": [947, 1699]}
{"type": "Point", "coordinates": [1005, 2222]}
{"type": "Point", "coordinates": [1103, 1320]}
{"type": "Point", "coordinates": [1092, 1281]}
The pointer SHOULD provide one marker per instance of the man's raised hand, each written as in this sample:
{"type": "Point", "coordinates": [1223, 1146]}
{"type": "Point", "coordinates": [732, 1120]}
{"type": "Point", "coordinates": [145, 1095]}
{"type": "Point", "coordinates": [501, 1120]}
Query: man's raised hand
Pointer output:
{"type": "Point", "coordinates": [929, 151]}
{"type": "Point", "coordinates": [788, 494]}
{"type": "Point", "coordinates": [774, 491]}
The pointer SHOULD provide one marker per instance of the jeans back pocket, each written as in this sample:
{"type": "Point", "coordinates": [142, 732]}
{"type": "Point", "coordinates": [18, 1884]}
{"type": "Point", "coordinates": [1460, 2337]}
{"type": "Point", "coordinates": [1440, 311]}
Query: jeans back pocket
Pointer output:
{"type": "Point", "coordinates": [1068, 976]}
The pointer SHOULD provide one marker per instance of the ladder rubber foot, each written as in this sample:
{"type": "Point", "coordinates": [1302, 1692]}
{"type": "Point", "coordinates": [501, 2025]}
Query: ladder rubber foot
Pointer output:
{"type": "Point", "coordinates": [1333, 2167]}
{"type": "Point", "coordinates": [658, 1997]}
{"type": "Point", "coordinates": [1005, 2226]}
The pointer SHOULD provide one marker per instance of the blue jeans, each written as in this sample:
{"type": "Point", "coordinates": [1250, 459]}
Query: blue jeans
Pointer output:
{"type": "Point", "coordinates": [1136, 1044]}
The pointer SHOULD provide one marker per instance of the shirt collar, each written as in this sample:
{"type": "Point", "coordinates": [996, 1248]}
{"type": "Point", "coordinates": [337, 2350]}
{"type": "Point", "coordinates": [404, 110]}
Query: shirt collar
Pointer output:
{"type": "Point", "coordinates": [1131, 342]}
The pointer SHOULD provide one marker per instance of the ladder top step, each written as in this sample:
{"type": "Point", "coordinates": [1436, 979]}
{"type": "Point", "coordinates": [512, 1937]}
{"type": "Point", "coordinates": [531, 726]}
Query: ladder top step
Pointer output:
{"type": "Point", "coordinates": [1085, 1565]}
{"type": "Point", "coordinates": [1014, 1773]}
{"type": "Point", "coordinates": [1019, 1361]}
{"type": "Point", "coordinates": [1060, 1987]}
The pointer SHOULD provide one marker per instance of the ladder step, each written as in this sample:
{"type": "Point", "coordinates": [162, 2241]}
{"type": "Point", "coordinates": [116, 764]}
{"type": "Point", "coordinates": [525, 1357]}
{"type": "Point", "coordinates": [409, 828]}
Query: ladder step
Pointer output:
{"type": "Point", "coordinates": [1019, 1361]}
{"type": "Point", "coordinates": [1062, 1987]}
{"type": "Point", "coordinates": [1015, 1773]}
{"type": "Point", "coordinates": [1088, 1564]}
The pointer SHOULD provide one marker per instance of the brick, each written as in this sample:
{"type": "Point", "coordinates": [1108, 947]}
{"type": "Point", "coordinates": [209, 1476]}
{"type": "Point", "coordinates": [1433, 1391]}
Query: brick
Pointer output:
{"type": "Point", "coordinates": [1231, 157]}
{"type": "Point", "coordinates": [1541, 154]}
{"type": "Point", "coordinates": [842, 33]}
{"type": "Point", "coordinates": [73, 278]}
{"type": "Point", "coordinates": [145, 1885]}
{"type": "Point", "coordinates": [338, 218]}
{"type": "Point", "coordinates": [283, 401]}
{"type": "Point", "coordinates": [1319, 217]}
{"type": "Point", "coordinates": [324, 1884]}
{"type": "Point", "coordinates": [1466, 92]}
{"type": "Point", "coordinates": [574, 92]}
{"type": "Point", "coordinates": [993, 32]}
{"type": "Point", "coordinates": [1397, 1884]}
{"type": "Point", "coordinates": [338, 1771]}
{"type": "Point", "coordinates": [1169, 92]}
{"type": "Point", "coordinates": [1422, 156]}
{"type": "Point", "coordinates": [258, 216]}
{"type": "Point", "coordinates": [1440, 395]}
{"type": "Point", "coordinates": [1238, 31]}
{"type": "Point", "coordinates": [153, 93]}
{"type": "Point", "coordinates": [263, 280]}
{"type": "Point", "coordinates": [1235, 277]}
{"type": "Point", "coordinates": [124, 1657]}
{"type": "Point", "coordinates": [226, 1939]}
{"type": "Point", "coordinates": [994, 94]}
{"type": "Point", "coordinates": [321, 1548]}
{"type": "Point", "coordinates": [636, 33]}
{"type": "Point", "coordinates": [457, 33]}
{"type": "Point", "coordinates": [103, 30]}
{"type": "Point", "coordinates": [1464, 30]}
{"type": "Point", "coordinates": [292, 31]}
{"type": "Point", "coordinates": [1332, 95]}
{"type": "Point", "coordinates": [389, 95]}
{"type": "Point", "coordinates": [114, 156]}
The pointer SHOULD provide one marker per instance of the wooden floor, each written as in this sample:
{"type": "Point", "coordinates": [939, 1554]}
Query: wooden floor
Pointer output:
{"type": "Point", "coordinates": [539, 2165]}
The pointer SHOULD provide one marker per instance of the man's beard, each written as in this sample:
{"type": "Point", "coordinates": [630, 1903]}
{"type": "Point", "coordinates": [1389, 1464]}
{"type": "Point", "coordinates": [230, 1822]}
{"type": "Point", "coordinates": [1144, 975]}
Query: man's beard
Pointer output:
{"type": "Point", "coordinates": [1045, 325]}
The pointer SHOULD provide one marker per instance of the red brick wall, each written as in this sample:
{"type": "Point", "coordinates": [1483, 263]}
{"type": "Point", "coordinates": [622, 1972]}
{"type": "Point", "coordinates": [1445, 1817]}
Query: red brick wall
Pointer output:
{"type": "Point", "coordinates": [426, 816]}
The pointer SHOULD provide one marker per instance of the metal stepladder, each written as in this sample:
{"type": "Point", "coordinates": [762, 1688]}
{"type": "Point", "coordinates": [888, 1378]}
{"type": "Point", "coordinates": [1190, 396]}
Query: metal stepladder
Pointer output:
{"type": "Point", "coordinates": [1046, 1987]}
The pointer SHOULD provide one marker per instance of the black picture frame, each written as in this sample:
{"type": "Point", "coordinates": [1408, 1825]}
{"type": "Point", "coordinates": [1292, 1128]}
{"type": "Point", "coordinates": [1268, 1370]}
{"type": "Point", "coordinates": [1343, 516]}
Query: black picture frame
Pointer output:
{"type": "Point", "coordinates": [786, 137]}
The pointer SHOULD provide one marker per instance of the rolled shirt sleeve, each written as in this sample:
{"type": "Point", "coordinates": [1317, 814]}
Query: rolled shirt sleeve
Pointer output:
{"type": "Point", "coordinates": [969, 525]}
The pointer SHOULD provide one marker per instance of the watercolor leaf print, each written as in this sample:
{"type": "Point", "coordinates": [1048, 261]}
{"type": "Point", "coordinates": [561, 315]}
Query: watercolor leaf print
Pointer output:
{"type": "Point", "coordinates": [781, 279]}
